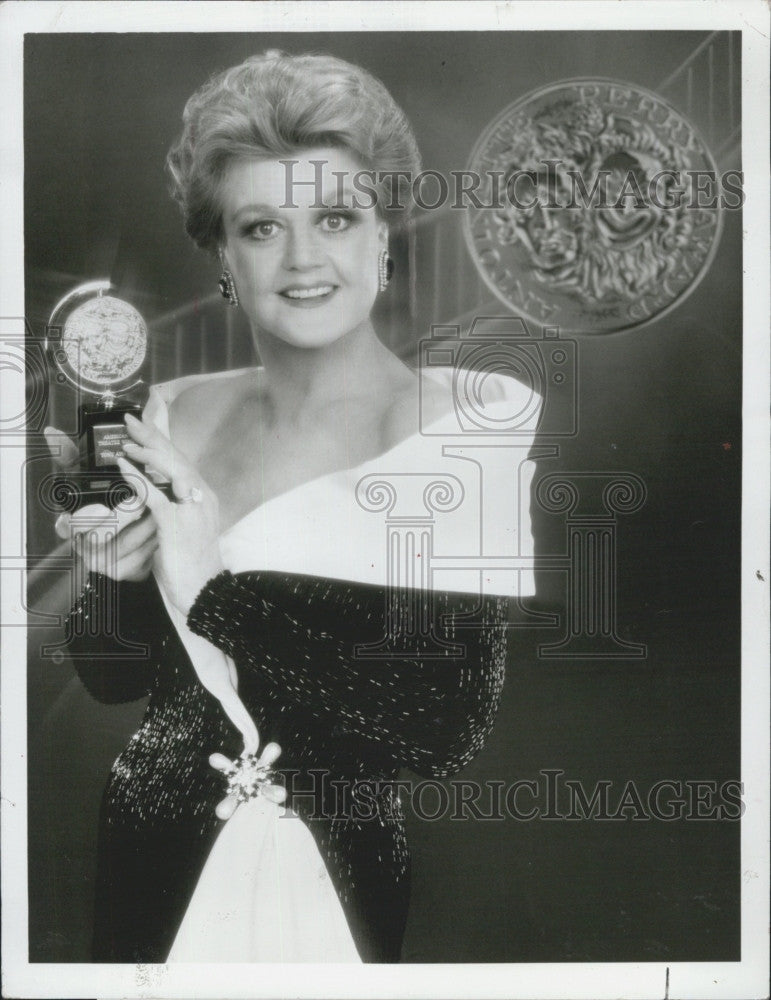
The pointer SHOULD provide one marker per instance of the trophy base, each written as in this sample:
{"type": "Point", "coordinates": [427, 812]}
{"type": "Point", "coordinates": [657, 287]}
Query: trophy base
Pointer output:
{"type": "Point", "coordinates": [105, 429]}
{"type": "Point", "coordinates": [99, 480]}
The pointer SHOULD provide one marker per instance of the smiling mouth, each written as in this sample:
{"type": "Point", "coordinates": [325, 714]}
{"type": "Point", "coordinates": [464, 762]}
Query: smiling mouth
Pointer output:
{"type": "Point", "coordinates": [314, 293]}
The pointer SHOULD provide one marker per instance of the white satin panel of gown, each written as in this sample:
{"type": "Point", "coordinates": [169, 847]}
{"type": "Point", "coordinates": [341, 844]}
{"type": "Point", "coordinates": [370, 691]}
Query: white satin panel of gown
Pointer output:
{"type": "Point", "coordinates": [264, 894]}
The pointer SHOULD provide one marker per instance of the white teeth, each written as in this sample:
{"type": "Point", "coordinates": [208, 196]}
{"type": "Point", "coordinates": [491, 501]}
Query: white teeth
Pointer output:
{"type": "Point", "coordinates": [307, 293]}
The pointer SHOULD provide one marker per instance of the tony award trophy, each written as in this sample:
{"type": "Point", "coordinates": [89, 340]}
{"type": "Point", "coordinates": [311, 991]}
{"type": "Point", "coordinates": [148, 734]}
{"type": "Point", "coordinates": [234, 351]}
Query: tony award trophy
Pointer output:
{"type": "Point", "coordinates": [97, 343]}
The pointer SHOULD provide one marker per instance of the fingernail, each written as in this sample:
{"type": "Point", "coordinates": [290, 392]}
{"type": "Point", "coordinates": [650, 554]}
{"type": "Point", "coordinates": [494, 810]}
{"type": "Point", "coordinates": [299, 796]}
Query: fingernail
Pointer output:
{"type": "Point", "coordinates": [129, 417]}
{"type": "Point", "coordinates": [62, 525]}
{"type": "Point", "coordinates": [130, 444]}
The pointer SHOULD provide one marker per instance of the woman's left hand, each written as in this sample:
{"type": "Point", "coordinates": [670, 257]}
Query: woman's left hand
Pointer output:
{"type": "Point", "coordinates": [188, 530]}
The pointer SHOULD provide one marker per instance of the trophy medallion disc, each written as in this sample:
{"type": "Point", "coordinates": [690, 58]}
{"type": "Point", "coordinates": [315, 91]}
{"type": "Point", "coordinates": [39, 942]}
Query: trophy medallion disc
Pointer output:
{"type": "Point", "coordinates": [105, 340]}
{"type": "Point", "coordinates": [598, 210]}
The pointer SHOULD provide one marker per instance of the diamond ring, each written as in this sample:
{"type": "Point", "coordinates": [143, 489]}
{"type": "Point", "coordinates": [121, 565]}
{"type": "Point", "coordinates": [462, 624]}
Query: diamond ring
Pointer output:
{"type": "Point", "coordinates": [194, 496]}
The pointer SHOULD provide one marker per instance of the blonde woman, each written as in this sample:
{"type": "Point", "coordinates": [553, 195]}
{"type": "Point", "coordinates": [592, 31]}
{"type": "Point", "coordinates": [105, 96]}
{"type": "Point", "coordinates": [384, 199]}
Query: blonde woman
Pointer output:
{"type": "Point", "coordinates": [255, 586]}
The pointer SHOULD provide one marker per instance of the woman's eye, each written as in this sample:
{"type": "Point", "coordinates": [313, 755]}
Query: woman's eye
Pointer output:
{"type": "Point", "coordinates": [336, 222]}
{"type": "Point", "coordinates": [262, 230]}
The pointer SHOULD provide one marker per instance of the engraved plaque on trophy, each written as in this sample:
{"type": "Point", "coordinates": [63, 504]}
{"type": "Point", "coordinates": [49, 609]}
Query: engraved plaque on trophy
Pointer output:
{"type": "Point", "coordinates": [97, 343]}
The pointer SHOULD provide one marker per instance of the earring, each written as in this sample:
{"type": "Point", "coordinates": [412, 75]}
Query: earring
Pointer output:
{"type": "Point", "coordinates": [226, 284]}
{"type": "Point", "coordinates": [385, 269]}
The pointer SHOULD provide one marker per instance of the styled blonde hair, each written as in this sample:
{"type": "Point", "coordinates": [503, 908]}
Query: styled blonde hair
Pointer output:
{"type": "Point", "coordinates": [272, 106]}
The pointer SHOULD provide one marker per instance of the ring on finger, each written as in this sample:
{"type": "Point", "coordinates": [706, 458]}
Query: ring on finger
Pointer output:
{"type": "Point", "coordinates": [194, 496]}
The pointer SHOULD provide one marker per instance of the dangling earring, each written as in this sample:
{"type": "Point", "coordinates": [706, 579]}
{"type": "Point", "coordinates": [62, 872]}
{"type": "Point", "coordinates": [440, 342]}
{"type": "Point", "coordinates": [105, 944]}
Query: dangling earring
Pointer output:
{"type": "Point", "coordinates": [385, 269]}
{"type": "Point", "coordinates": [226, 284]}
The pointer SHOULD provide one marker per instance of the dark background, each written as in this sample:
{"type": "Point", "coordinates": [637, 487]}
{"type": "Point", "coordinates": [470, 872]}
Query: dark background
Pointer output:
{"type": "Point", "coordinates": [663, 402]}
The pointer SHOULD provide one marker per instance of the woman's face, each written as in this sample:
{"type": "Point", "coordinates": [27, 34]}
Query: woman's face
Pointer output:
{"type": "Point", "coordinates": [303, 255]}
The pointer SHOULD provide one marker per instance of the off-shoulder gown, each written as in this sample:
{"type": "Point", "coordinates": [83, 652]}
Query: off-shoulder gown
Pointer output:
{"type": "Point", "coordinates": [306, 583]}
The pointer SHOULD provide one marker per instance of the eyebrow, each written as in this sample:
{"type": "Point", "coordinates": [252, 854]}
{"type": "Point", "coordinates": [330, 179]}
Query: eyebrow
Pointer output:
{"type": "Point", "coordinates": [329, 199]}
{"type": "Point", "coordinates": [260, 209]}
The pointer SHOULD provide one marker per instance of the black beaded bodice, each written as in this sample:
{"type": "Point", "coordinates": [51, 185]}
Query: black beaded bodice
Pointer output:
{"type": "Point", "coordinates": [344, 722]}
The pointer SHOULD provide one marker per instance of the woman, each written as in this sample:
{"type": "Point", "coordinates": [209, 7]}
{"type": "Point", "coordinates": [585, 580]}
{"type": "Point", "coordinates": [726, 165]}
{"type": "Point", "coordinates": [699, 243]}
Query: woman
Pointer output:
{"type": "Point", "coordinates": [269, 576]}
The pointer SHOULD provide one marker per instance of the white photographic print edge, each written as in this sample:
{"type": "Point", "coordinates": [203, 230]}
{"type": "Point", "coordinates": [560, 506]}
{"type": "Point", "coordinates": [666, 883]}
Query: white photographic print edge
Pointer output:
{"type": "Point", "coordinates": [720, 980]}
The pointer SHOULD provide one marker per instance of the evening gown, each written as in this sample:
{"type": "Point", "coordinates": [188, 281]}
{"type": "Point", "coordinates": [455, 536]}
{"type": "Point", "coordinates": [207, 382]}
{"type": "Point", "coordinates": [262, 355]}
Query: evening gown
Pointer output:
{"type": "Point", "coordinates": [305, 586]}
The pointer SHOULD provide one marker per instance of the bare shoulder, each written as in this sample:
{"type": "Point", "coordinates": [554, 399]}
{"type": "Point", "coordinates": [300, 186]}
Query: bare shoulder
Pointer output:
{"type": "Point", "coordinates": [200, 409]}
{"type": "Point", "coordinates": [418, 404]}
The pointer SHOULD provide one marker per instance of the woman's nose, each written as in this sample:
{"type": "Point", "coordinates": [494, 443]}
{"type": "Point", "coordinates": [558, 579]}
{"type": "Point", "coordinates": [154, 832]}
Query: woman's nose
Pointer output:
{"type": "Point", "coordinates": [302, 251]}
{"type": "Point", "coordinates": [544, 218]}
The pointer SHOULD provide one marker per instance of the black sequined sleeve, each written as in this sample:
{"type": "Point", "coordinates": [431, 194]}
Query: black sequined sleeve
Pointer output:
{"type": "Point", "coordinates": [298, 633]}
{"type": "Point", "coordinates": [114, 634]}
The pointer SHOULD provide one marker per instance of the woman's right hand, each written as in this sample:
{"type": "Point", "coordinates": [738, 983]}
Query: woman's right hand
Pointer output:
{"type": "Point", "coordinates": [117, 543]}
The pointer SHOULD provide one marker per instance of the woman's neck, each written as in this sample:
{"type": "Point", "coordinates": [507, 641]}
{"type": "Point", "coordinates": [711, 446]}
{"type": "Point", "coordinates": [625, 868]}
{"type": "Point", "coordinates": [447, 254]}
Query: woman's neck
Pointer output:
{"type": "Point", "coordinates": [301, 383]}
